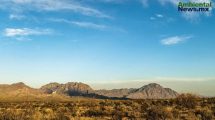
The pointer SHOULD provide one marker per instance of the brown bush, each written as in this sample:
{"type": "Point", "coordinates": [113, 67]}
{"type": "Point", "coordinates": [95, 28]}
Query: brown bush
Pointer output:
{"type": "Point", "coordinates": [205, 114]}
{"type": "Point", "coordinates": [158, 113]}
{"type": "Point", "coordinates": [187, 100]}
{"type": "Point", "coordinates": [94, 113]}
{"type": "Point", "coordinates": [175, 113]}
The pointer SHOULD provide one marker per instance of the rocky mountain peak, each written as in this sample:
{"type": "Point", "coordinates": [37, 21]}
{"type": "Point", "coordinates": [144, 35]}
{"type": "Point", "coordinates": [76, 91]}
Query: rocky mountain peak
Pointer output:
{"type": "Point", "coordinates": [153, 85]}
{"type": "Point", "coordinates": [150, 86]}
{"type": "Point", "coordinates": [152, 91]}
{"type": "Point", "coordinates": [70, 88]}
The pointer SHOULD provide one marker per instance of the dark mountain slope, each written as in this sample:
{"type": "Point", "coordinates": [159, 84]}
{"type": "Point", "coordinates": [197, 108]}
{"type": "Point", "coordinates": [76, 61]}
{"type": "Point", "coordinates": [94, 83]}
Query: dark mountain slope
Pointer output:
{"type": "Point", "coordinates": [150, 91]}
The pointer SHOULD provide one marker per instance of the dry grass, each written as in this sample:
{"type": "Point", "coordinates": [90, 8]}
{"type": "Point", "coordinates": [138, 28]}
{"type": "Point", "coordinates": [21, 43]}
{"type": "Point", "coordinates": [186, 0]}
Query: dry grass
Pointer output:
{"type": "Point", "coordinates": [94, 109]}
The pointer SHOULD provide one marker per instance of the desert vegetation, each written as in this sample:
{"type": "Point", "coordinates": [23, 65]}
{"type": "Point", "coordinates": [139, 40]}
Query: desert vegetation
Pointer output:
{"type": "Point", "coordinates": [184, 107]}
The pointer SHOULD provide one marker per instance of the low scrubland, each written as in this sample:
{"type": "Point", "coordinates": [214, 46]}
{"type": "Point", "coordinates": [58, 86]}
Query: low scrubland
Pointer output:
{"type": "Point", "coordinates": [184, 107]}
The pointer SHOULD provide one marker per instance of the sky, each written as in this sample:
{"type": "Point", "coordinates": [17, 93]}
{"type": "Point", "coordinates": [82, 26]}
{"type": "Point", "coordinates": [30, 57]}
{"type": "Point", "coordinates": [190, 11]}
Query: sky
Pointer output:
{"type": "Point", "coordinates": [106, 43]}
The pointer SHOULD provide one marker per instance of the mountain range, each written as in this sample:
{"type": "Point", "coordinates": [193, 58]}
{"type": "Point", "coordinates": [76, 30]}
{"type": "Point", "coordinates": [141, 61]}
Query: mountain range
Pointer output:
{"type": "Point", "coordinates": [57, 91]}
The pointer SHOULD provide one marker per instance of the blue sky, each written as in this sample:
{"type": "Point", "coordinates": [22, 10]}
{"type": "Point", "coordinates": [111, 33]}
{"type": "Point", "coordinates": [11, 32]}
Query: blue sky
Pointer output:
{"type": "Point", "coordinates": [104, 41]}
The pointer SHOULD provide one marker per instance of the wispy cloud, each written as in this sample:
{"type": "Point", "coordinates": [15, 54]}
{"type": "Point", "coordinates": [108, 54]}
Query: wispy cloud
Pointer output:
{"type": "Point", "coordinates": [51, 5]}
{"type": "Point", "coordinates": [184, 79]}
{"type": "Point", "coordinates": [82, 24]}
{"type": "Point", "coordinates": [14, 32]}
{"type": "Point", "coordinates": [156, 16]}
{"type": "Point", "coordinates": [16, 17]}
{"type": "Point", "coordinates": [89, 25]}
{"type": "Point", "coordinates": [159, 15]}
{"type": "Point", "coordinates": [174, 40]}
{"type": "Point", "coordinates": [158, 79]}
{"type": "Point", "coordinates": [23, 39]}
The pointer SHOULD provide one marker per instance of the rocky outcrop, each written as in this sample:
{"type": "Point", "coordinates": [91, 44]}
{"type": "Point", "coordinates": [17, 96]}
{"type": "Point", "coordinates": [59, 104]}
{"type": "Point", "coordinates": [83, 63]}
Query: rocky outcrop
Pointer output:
{"type": "Point", "coordinates": [150, 91]}
{"type": "Point", "coordinates": [70, 88]}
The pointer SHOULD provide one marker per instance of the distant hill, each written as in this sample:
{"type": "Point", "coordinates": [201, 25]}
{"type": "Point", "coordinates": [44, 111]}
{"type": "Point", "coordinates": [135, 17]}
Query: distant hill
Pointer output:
{"type": "Point", "coordinates": [70, 88]}
{"type": "Point", "coordinates": [18, 90]}
{"type": "Point", "coordinates": [150, 91]}
{"type": "Point", "coordinates": [21, 92]}
{"type": "Point", "coordinates": [56, 91]}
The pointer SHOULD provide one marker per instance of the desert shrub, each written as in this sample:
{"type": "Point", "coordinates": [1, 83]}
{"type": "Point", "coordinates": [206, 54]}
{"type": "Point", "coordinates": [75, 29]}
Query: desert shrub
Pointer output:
{"type": "Point", "coordinates": [48, 113]}
{"type": "Point", "coordinates": [135, 106]}
{"type": "Point", "coordinates": [11, 114]}
{"type": "Point", "coordinates": [205, 114]}
{"type": "Point", "coordinates": [94, 113]}
{"type": "Point", "coordinates": [175, 113]}
{"type": "Point", "coordinates": [61, 116]}
{"type": "Point", "coordinates": [74, 111]}
{"type": "Point", "coordinates": [190, 116]}
{"type": "Point", "coordinates": [158, 113]}
{"type": "Point", "coordinates": [37, 115]}
{"type": "Point", "coordinates": [117, 115]}
{"type": "Point", "coordinates": [134, 114]}
{"type": "Point", "coordinates": [187, 100]}
{"type": "Point", "coordinates": [213, 110]}
{"type": "Point", "coordinates": [144, 107]}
